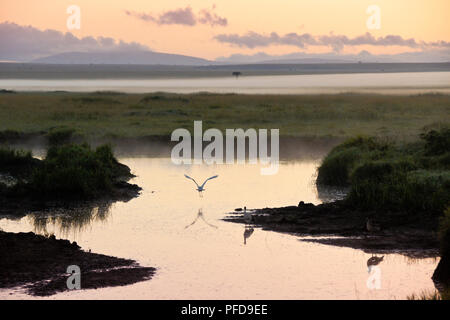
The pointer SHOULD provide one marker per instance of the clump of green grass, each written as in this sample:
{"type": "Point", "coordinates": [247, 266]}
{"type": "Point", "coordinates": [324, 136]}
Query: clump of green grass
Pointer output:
{"type": "Point", "coordinates": [338, 165]}
{"type": "Point", "coordinates": [92, 100]}
{"type": "Point", "coordinates": [429, 295]}
{"type": "Point", "coordinates": [59, 136]}
{"type": "Point", "coordinates": [437, 142]}
{"type": "Point", "coordinates": [16, 163]}
{"type": "Point", "coordinates": [381, 175]}
{"type": "Point", "coordinates": [161, 96]}
{"type": "Point", "coordinates": [5, 91]}
{"type": "Point", "coordinates": [11, 157]}
{"type": "Point", "coordinates": [76, 171]}
{"type": "Point", "coordinates": [6, 135]}
{"type": "Point", "coordinates": [397, 185]}
{"type": "Point", "coordinates": [108, 93]}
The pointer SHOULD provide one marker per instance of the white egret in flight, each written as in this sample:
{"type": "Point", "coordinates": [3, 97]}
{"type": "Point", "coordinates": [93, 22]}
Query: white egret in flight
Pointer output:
{"type": "Point", "coordinates": [200, 189]}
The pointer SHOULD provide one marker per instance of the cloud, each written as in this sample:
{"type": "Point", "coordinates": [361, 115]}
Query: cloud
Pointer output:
{"type": "Point", "coordinates": [24, 43]}
{"type": "Point", "coordinates": [337, 42]}
{"type": "Point", "coordinates": [181, 16]}
{"type": "Point", "coordinates": [178, 16]}
{"type": "Point", "coordinates": [433, 55]}
{"type": "Point", "coordinates": [208, 17]}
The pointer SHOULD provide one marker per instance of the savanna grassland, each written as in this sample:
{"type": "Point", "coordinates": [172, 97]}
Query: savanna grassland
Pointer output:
{"type": "Point", "coordinates": [111, 114]}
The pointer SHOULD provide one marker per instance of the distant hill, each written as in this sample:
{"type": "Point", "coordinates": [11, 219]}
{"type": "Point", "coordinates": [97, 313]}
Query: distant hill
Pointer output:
{"type": "Point", "coordinates": [307, 61]}
{"type": "Point", "coordinates": [122, 57]}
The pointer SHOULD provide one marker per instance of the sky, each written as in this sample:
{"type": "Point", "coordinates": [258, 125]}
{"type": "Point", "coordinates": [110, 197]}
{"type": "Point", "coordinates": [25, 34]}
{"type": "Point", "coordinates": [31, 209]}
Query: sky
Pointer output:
{"type": "Point", "coordinates": [212, 29]}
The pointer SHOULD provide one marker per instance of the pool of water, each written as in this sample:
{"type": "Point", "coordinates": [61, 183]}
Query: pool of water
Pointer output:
{"type": "Point", "coordinates": [200, 256]}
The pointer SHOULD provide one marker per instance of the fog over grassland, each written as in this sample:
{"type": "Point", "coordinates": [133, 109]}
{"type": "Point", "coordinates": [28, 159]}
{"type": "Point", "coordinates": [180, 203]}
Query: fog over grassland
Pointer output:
{"type": "Point", "coordinates": [129, 71]}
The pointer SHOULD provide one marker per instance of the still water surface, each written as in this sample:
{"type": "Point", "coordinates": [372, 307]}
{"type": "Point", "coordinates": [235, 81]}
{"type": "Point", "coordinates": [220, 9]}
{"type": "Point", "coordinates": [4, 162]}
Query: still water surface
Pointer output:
{"type": "Point", "coordinates": [388, 83]}
{"type": "Point", "coordinates": [203, 257]}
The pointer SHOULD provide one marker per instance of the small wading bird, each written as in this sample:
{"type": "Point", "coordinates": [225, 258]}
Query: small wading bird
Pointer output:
{"type": "Point", "coordinates": [201, 188]}
{"type": "Point", "coordinates": [248, 230]}
{"type": "Point", "coordinates": [373, 261]}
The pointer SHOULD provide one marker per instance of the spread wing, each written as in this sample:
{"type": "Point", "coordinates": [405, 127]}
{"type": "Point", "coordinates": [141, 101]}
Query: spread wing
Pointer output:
{"type": "Point", "coordinates": [213, 177]}
{"type": "Point", "coordinates": [192, 179]}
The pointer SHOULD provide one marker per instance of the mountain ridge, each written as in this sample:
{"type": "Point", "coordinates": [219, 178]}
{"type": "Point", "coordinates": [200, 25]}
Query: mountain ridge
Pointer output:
{"type": "Point", "coordinates": [122, 57]}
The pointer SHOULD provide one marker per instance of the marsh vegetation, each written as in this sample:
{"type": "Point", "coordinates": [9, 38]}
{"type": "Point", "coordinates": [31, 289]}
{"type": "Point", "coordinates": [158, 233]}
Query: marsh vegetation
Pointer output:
{"type": "Point", "coordinates": [112, 114]}
{"type": "Point", "coordinates": [68, 172]}
{"type": "Point", "coordinates": [390, 175]}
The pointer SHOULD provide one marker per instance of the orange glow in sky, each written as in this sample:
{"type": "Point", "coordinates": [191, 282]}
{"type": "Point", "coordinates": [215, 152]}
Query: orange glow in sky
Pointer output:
{"type": "Point", "coordinates": [423, 20]}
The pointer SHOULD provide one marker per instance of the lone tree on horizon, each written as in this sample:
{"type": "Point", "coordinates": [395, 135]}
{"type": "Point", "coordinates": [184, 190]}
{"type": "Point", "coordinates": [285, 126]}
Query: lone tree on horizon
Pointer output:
{"type": "Point", "coordinates": [236, 73]}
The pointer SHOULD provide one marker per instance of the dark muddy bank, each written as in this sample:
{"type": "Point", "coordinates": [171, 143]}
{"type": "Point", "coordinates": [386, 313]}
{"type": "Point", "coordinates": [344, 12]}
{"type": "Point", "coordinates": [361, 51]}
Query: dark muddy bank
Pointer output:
{"type": "Point", "coordinates": [340, 224]}
{"type": "Point", "coordinates": [39, 265]}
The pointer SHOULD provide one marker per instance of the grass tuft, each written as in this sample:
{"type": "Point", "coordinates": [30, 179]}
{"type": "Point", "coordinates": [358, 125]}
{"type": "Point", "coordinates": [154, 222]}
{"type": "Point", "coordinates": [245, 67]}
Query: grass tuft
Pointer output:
{"type": "Point", "coordinates": [76, 171]}
{"type": "Point", "coordinates": [382, 175]}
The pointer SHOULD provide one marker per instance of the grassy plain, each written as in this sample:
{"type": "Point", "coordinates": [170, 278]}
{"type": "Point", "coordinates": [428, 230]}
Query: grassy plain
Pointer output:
{"type": "Point", "coordinates": [112, 114]}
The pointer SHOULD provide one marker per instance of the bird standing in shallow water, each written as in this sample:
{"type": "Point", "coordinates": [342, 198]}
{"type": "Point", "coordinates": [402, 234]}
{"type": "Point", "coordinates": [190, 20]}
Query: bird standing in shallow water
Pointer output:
{"type": "Point", "coordinates": [201, 188]}
{"type": "Point", "coordinates": [247, 216]}
{"type": "Point", "coordinates": [373, 261]}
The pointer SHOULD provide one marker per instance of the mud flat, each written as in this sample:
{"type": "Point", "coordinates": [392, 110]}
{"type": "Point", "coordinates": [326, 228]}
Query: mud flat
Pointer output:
{"type": "Point", "coordinates": [340, 224]}
{"type": "Point", "coordinates": [39, 265]}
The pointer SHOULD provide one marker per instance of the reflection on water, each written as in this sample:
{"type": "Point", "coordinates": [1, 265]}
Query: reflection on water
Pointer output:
{"type": "Point", "coordinates": [329, 194]}
{"type": "Point", "coordinates": [202, 217]}
{"type": "Point", "coordinates": [200, 256]}
{"type": "Point", "coordinates": [248, 231]}
{"type": "Point", "coordinates": [374, 280]}
{"type": "Point", "coordinates": [68, 220]}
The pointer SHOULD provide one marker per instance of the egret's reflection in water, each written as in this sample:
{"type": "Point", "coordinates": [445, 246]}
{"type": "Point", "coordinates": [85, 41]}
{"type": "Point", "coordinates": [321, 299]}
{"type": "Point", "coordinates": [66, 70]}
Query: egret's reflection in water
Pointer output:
{"type": "Point", "coordinates": [202, 217]}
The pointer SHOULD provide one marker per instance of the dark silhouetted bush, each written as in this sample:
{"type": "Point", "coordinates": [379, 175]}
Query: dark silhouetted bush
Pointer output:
{"type": "Point", "coordinates": [76, 171]}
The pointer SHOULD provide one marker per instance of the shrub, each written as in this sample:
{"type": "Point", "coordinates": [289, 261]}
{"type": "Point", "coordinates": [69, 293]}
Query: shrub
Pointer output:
{"type": "Point", "coordinates": [59, 136]}
{"type": "Point", "coordinates": [398, 184]}
{"type": "Point", "coordinates": [6, 135]}
{"type": "Point", "coordinates": [430, 295]}
{"type": "Point", "coordinates": [378, 183]}
{"type": "Point", "coordinates": [437, 142]}
{"type": "Point", "coordinates": [413, 177]}
{"type": "Point", "coordinates": [427, 190]}
{"type": "Point", "coordinates": [337, 166]}
{"type": "Point", "coordinates": [10, 157]}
